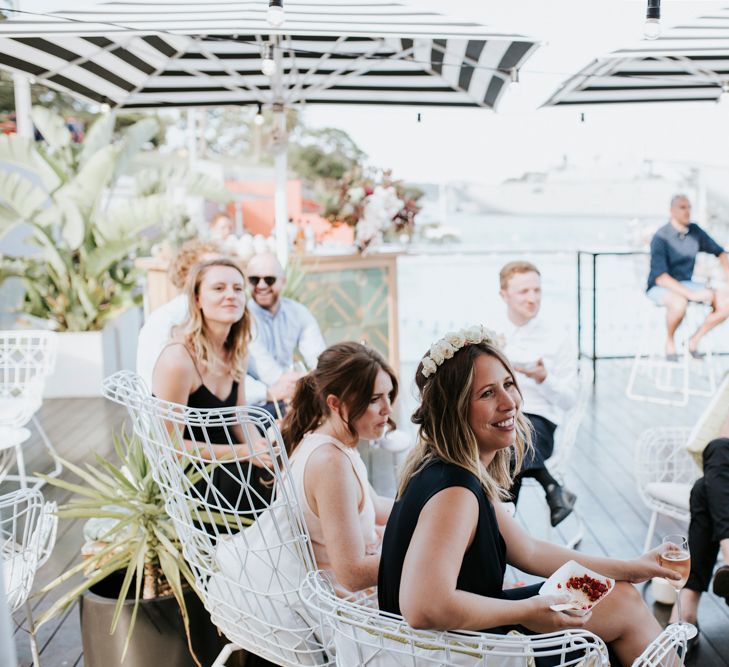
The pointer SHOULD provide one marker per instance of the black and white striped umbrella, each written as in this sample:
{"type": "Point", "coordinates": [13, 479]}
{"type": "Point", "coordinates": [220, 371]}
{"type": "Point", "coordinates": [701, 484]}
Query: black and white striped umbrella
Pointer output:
{"type": "Point", "coordinates": [689, 63]}
{"type": "Point", "coordinates": [184, 53]}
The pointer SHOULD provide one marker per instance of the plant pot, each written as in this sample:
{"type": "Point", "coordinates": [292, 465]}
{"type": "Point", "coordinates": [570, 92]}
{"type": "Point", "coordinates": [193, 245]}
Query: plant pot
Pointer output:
{"type": "Point", "coordinates": [85, 358]}
{"type": "Point", "coordinates": [159, 634]}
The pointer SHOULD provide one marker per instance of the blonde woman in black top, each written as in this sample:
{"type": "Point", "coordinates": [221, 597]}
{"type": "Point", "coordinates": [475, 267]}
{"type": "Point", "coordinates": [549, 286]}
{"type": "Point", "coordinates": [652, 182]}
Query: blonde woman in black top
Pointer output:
{"type": "Point", "coordinates": [449, 521]}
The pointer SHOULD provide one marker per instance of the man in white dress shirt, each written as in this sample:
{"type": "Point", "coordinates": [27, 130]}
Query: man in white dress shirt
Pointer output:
{"type": "Point", "coordinates": [544, 360]}
{"type": "Point", "coordinates": [265, 381]}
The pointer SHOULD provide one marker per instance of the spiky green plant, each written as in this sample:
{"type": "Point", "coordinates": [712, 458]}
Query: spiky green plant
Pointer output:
{"type": "Point", "coordinates": [142, 541]}
{"type": "Point", "coordinates": [83, 274]}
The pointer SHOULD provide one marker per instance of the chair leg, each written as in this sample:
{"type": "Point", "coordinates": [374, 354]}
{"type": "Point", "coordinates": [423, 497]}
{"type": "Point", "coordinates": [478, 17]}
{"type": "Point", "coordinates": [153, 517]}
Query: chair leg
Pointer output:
{"type": "Point", "coordinates": [31, 632]}
{"type": "Point", "coordinates": [22, 477]}
{"type": "Point", "coordinates": [57, 466]}
{"type": "Point", "coordinates": [223, 656]}
{"type": "Point", "coordinates": [651, 530]}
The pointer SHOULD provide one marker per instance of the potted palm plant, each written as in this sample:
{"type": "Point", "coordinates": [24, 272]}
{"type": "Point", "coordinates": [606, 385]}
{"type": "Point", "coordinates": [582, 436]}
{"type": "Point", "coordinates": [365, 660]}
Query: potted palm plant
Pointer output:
{"type": "Point", "coordinates": [133, 581]}
{"type": "Point", "coordinates": [87, 219]}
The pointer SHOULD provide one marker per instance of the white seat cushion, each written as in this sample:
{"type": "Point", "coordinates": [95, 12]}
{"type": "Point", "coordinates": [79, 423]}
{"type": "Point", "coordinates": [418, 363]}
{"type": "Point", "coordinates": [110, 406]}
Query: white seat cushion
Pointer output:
{"type": "Point", "coordinates": [671, 493]}
{"type": "Point", "coordinates": [708, 427]}
{"type": "Point", "coordinates": [11, 437]}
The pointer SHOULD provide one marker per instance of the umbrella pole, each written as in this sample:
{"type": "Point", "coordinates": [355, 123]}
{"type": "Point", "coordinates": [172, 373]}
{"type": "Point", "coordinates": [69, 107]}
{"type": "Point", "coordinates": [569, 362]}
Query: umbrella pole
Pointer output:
{"type": "Point", "coordinates": [23, 122]}
{"type": "Point", "coordinates": [281, 206]}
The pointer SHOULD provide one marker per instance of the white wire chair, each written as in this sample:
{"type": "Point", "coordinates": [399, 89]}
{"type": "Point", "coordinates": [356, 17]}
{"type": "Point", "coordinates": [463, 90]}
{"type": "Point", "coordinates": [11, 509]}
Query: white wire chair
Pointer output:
{"type": "Point", "coordinates": [665, 473]}
{"type": "Point", "coordinates": [27, 535]}
{"type": "Point", "coordinates": [666, 650]}
{"type": "Point", "coordinates": [362, 635]}
{"type": "Point", "coordinates": [565, 438]}
{"type": "Point", "coordinates": [248, 575]}
{"type": "Point", "coordinates": [27, 358]}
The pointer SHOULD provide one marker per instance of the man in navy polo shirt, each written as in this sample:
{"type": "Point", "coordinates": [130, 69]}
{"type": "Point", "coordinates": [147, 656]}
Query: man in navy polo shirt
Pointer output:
{"type": "Point", "coordinates": [673, 255]}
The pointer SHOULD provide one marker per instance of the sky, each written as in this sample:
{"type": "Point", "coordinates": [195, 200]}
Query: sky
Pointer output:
{"type": "Point", "coordinates": [480, 145]}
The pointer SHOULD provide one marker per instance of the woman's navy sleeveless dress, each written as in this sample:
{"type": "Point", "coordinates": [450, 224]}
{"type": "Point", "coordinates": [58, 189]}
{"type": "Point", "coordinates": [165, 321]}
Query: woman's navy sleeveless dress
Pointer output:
{"type": "Point", "coordinates": [484, 563]}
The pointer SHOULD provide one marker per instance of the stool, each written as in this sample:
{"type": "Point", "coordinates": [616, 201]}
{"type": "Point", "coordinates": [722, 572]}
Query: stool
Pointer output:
{"type": "Point", "coordinates": [671, 381]}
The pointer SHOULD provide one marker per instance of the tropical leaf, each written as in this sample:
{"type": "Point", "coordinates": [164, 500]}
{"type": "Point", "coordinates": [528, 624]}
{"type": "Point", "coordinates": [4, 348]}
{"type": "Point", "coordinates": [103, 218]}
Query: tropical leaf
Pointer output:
{"type": "Point", "coordinates": [73, 225]}
{"type": "Point", "coordinates": [134, 138]}
{"type": "Point", "coordinates": [132, 216]}
{"type": "Point", "coordinates": [98, 136]}
{"type": "Point", "coordinates": [20, 194]}
{"type": "Point", "coordinates": [20, 152]}
{"type": "Point", "coordinates": [101, 259]}
{"type": "Point", "coordinates": [52, 127]}
{"type": "Point", "coordinates": [87, 187]}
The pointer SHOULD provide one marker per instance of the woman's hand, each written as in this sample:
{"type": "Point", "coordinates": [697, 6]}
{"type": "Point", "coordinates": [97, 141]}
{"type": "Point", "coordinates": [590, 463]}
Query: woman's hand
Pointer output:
{"type": "Point", "coordinates": [648, 566]}
{"type": "Point", "coordinates": [540, 618]}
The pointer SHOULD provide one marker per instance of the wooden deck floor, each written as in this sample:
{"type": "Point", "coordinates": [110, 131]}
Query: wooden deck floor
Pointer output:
{"type": "Point", "coordinates": [601, 474]}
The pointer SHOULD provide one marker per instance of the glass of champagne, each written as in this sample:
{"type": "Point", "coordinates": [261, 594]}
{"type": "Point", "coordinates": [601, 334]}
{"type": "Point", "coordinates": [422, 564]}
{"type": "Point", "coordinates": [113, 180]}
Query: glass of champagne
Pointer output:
{"type": "Point", "coordinates": [675, 556]}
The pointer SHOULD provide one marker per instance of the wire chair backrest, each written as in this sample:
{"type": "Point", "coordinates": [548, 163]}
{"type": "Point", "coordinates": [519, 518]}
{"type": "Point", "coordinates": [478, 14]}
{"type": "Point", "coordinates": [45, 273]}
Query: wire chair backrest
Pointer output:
{"type": "Point", "coordinates": [362, 635]}
{"type": "Point", "coordinates": [238, 519]}
{"type": "Point", "coordinates": [566, 434]}
{"type": "Point", "coordinates": [661, 457]}
{"type": "Point", "coordinates": [27, 358]}
{"type": "Point", "coordinates": [27, 534]}
{"type": "Point", "coordinates": [666, 650]}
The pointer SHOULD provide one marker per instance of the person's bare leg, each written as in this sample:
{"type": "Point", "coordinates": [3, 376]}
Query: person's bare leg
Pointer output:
{"type": "Point", "coordinates": [624, 620]}
{"type": "Point", "coordinates": [719, 313]}
{"type": "Point", "coordinates": [675, 310]}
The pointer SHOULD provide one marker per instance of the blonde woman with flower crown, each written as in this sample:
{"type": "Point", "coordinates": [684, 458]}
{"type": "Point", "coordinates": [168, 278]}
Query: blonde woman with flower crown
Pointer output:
{"type": "Point", "coordinates": [448, 520]}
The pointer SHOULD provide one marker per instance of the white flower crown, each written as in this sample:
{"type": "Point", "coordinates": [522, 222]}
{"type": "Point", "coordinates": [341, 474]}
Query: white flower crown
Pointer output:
{"type": "Point", "coordinates": [453, 341]}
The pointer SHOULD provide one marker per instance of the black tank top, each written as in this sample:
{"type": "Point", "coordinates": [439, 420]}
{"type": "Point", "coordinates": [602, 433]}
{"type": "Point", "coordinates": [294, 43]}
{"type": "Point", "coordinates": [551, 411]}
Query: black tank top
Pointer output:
{"type": "Point", "coordinates": [203, 398]}
{"type": "Point", "coordinates": [484, 563]}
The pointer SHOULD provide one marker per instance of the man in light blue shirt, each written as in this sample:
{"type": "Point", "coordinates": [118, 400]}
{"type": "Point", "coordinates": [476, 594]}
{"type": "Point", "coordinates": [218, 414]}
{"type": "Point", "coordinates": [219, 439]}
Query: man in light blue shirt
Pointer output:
{"type": "Point", "coordinates": [280, 324]}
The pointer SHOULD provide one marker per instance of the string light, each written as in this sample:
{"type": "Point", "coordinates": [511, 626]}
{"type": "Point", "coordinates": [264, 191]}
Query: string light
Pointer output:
{"type": "Point", "coordinates": [104, 108]}
{"type": "Point", "coordinates": [275, 15]}
{"type": "Point", "coordinates": [652, 25]}
{"type": "Point", "coordinates": [514, 74]}
{"type": "Point", "coordinates": [258, 118]}
{"type": "Point", "coordinates": [268, 64]}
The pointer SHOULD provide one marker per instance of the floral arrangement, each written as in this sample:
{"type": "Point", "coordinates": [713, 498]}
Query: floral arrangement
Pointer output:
{"type": "Point", "coordinates": [453, 341]}
{"type": "Point", "coordinates": [373, 208]}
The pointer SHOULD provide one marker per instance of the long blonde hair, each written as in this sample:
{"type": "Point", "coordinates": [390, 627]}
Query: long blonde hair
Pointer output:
{"type": "Point", "coordinates": [444, 432]}
{"type": "Point", "coordinates": [193, 328]}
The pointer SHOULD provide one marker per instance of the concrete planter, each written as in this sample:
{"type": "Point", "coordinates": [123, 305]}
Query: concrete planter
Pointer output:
{"type": "Point", "coordinates": [158, 638]}
{"type": "Point", "coordinates": [86, 358]}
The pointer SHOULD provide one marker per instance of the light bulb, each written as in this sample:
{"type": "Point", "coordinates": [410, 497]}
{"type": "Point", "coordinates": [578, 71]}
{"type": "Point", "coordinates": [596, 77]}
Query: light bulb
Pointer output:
{"type": "Point", "coordinates": [104, 108]}
{"type": "Point", "coordinates": [268, 66]}
{"type": "Point", "coordinates": [723, 98]}
{"type": "Point", "coordinates": [258, 118]}
{"type": "Point", "coordinates": [275, 15]}
{"type": "Point", "coordinates": [652, 28]}
{"type": "Point", "coordinates": [652, 25]}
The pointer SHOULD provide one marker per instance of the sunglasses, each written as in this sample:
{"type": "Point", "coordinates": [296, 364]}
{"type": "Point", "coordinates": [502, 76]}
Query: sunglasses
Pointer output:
{"type": "Point", "coordinates": [269, 280]}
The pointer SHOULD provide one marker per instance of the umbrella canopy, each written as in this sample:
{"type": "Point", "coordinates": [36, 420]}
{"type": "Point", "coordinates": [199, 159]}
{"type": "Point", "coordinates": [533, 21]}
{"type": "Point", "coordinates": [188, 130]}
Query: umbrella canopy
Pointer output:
{"type": "Point", "coordinates": [689, 63]}
{"type": "Point", "coordinates": [178, 53]}
{"type": "Point", "coordinates": [172, 54]}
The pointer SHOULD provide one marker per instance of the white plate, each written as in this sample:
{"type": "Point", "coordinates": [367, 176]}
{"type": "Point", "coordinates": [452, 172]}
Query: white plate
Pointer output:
{"type": "Point", "coordinates": [557, 585]}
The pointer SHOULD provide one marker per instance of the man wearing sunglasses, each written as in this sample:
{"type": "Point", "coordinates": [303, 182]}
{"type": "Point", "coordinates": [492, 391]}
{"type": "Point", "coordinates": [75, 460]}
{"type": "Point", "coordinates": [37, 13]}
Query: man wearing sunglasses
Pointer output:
{"type": "Point", "coordinates": [280, 324]}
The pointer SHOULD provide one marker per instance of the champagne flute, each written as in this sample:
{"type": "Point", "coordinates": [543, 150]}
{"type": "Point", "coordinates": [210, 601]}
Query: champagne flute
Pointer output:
{"type": "Point", "coordinates": [675, 555]}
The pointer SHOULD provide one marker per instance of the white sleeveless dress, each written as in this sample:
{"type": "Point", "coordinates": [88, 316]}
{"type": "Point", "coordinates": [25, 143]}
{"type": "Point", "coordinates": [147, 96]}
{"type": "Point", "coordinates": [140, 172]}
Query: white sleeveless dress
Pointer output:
{"type": "Point", "coordinates": [371, 533]}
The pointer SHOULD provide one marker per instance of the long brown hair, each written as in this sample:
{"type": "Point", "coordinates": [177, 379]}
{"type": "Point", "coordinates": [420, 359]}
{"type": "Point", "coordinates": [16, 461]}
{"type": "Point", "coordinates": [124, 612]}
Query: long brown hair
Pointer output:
{"type": "Point", "coordinates": [193, 328]}
{"type": "Point", "coordinates": [444, 432]}
{"type": "Point", "coordinates": [345, 370]}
